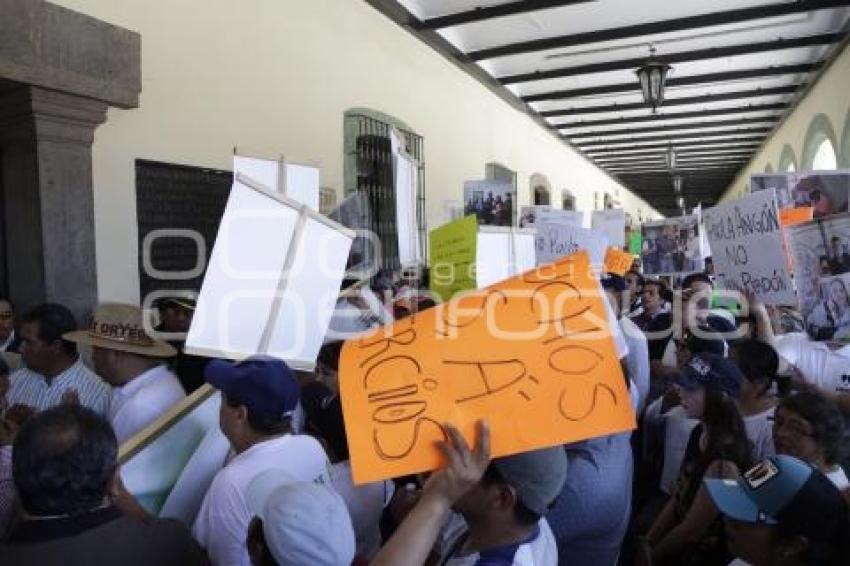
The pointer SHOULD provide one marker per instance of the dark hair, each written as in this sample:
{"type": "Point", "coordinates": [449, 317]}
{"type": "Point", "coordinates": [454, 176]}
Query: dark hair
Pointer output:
{"type": "Point", "coordinates": [695, 277]}
{"type": "Point", "coordinates": [758, 362]}
{"type": "Point", "coordinates": [658, 283]}
{"type": "Point", "coordinates": [522, 514]}
{"type": "Point", "coordinates": [4, 367]}
{"type": "Point", "coordinates": [261, 423]}
{"type": "Point", "coordinates": [62, 461]}
{"type": "Point", "coordinates": [53, 320]}
{"type": "Point", "coordinates": [826, 420]}
{"type": "Point", "coordinates": [727, 434]}
{"type": "Point", "coordinates": [637, 274]}
{"type": "Point", "coordinates": [329, 355]}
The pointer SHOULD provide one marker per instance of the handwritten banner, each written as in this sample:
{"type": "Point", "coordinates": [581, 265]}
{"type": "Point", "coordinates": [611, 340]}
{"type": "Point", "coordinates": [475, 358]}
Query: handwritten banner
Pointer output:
{"type": "Point", "coordinates": [532, 354]}
{"type": "Point", "coordinates": [555, 240]}
{"type": "Point", "coordinates": [618, 262]}
{"type": "Point", "coordinates": [451, 251]}
{"type": "Point", "coordinates": [746, 243]}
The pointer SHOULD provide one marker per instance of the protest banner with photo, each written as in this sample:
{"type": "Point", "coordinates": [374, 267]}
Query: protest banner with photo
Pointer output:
{"type": "Point", "coordinates": [827, 192]}
{"type": "Point", "coordinates": [781, 183]}
{"type": "Point", "coordinates": [671, 246]}
{"type": "Point", "coordinates": [532, 355]}
{"type": "Point", "coordinates": [746, 245]}
{"type": "Point", "coordinates": [492, 201]}
{"type": "Point", "coordinates": [613, 223]}
{"type": "Point", "coordinates": [529, 214]}
{"type": "Point", "coordinates": [555, 240]}
{"type": "Point", "coordinates": [820, 250]}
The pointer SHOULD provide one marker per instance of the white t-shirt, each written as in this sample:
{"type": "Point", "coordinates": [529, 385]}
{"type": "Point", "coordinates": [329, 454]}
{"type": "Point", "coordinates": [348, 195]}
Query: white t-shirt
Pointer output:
{"type": "Point", "coordinates": [838, 478]}
{"type": "Point", "coordinates": [637, 360]}
{"type": "Point", "coordinates": [365, 504]}
{"type": "Point", "coordinates": [760, 432]}
{"type": "Point", "coordinates": [539, 549]}
{"type": "Point", "coordinates": [140, 402]}
{"type": "Point", "coordinates": [222, 523]}
{"type": "Point", "coordinates": [820, 366]}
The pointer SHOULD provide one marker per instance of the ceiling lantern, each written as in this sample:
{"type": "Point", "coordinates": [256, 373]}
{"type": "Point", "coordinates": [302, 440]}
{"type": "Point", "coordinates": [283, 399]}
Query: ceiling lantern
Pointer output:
{"type": "Point", "coordinates": [677, 184]}
{"type": "Point", "coordinates": [670, 158]}
{"type": "Point", "coordinates": [653, 76]}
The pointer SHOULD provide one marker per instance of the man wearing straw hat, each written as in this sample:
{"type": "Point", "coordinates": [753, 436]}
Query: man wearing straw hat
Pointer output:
{"type": "Point", "coordinates": [143, 388]}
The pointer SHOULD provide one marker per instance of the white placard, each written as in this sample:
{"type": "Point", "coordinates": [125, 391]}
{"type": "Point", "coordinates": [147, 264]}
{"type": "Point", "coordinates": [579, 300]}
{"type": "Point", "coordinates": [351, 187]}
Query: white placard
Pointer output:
{"type": "Point", "coordinates": [407, 224]}
{"type": "Point", "coordinates": [301, 182]}
{"type": "Point", "coordinates": [745, 237]}
{"type": "Point", "coordinates": [502, 253]}
{"type": "Point", "coordinates": [613, 223]}
{"type": "Point", "coordinates": [265, 171]}
{"type": "Point", "coordinates": [568, 217]}
{"type": "Point", "coordinates": [555, 240]}
{"type": "Point", "coordinates": [152, 474]}
{"type": "Point", "coordinates": [272, 279]}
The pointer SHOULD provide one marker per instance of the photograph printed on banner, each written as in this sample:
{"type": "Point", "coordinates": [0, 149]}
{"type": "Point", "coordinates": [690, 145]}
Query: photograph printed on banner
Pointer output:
{"type": "Point", "coordinates": [782, 182]}
{"type": "Point", "coordinates": [671, 246]}
{"type": "Point", "coordinates": [826, 191]}
{"type": "Point", "coordinates": [493, 202]}
{"type": "Point", "coordinates": [820, 252]}
{"type": "Point", "coordinates": [529, 214]}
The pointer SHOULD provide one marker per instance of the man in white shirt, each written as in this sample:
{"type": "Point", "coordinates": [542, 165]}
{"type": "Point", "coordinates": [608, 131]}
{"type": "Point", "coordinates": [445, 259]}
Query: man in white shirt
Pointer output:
{"type": "Point", "coordinates": [259, 397]}
{"type": "Point", "coordinates": [143, 388]}
{"type": "Point", "coordinates": [53, 371]}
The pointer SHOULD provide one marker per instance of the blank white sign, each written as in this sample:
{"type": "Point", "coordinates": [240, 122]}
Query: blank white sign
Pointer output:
{"type": "Point", "coordinates": [406, 184]}
{"type": "Point", "coordinates": [258, 281]}
{"type": "Point", "coordinates": [302, 184]}
{"type": "Point", "coordinates": [265, 171]}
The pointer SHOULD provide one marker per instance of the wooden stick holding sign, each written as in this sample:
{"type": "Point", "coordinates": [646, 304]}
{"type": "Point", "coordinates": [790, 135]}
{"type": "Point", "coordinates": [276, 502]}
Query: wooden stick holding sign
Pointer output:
{"type": "Point", "coordinates": [532, 354]}
{"type": "Point", "coordinates": [294, 179]}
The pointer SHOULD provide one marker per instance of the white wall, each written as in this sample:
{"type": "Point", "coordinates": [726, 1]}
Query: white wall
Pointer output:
{"type": "Point", "coordinates": [276, 76]}
{"type": "Point", "coordinates": [830, 97]}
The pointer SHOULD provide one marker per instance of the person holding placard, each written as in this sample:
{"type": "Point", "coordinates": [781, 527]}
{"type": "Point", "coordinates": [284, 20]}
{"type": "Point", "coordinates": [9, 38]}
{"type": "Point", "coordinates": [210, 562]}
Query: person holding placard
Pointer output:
{"type": "Point", "coordinates": [259, 397]}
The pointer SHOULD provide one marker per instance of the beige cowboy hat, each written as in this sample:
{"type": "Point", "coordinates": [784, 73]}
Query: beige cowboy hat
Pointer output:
{"type": "Point", "coordinates": [119, 326]}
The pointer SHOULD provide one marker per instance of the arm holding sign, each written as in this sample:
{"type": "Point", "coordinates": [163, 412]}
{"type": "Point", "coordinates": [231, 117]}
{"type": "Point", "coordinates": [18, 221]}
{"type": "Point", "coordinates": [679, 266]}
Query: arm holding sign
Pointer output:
{"type": "Point", "coordinates": [412, 542]}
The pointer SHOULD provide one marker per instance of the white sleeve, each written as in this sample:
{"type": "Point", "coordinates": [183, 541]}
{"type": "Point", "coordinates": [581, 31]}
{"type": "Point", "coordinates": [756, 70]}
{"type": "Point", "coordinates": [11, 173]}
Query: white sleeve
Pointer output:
{"type": "Point", "coordinates": [222, 525]}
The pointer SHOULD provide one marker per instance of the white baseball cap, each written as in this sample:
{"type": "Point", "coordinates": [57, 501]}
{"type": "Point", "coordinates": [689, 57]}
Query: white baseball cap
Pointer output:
{"type": "Point", "coordinates": [305, 524]}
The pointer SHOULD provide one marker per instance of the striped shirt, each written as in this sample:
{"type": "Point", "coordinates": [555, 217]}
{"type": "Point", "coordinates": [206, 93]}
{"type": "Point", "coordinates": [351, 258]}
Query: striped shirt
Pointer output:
{"type": "Point", "coordinates": [30, 388]}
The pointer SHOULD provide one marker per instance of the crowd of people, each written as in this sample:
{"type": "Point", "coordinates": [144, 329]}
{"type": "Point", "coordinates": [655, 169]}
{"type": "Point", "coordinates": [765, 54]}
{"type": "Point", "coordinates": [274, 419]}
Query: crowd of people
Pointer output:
{"type": "Point", "coordinates": [739, 456]}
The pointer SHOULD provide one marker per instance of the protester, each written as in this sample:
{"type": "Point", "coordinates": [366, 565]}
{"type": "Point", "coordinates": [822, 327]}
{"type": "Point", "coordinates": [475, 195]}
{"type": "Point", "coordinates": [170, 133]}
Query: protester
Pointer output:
{"type": "Point", "coordinates": [143, 388]}
{"type": "Point", "coordinates": [654, 320]}
{"type": "Point", "coordinates": [297, 524]}
{"type": "Point", "coordinates": [9, 339]}
{"type": "Point", "coordinates": [758, 363]}
{"type": "Point", "coordinates": [76, 511]}
{"type": "Point", "coordinates": [688, 531]}
{"type": "Point", "coordinates": [637, 358]}
{"type": "Point", "coordinates": [366, 502]}
{"type": "Point", "coordinates": [175, 318]}
{"type": "Point", "coordinates": [54, 370]}
{"type": "Point", "coordinates": [810, 427]}
{"type": "Point", "coordinates": [259, 397]}
{"type": "Point", "coordinates": [634, 288]}
{"type": "Point", "coordinates": [783, 512]}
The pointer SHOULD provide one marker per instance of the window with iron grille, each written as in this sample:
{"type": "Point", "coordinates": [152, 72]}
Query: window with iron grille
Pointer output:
{"type": "Point", "coordinates": [369, 170]}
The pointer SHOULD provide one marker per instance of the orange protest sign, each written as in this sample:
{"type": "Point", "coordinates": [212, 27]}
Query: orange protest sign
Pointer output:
{"type": "Point", "coordinates": [617, 261]}
{"type": "Point", "coordinates": [789, 216]}
{"type": "Point", "coordinates": [532, 354]}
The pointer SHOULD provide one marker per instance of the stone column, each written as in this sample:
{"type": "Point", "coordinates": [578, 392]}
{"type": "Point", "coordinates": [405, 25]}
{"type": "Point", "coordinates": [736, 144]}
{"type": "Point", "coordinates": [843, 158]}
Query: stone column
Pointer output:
{"type": "Point", "coordinates": [46, 139]}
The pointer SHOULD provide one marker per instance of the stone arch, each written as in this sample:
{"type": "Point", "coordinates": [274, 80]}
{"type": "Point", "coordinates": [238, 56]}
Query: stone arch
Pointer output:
{"type": "Point", "coordinates": [788, 160]}
{"type": "Point", "coordinates": [820, 130]}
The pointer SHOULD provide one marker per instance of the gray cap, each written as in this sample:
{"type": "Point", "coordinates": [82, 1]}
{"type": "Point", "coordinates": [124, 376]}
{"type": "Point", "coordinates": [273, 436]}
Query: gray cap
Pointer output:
{"type": "Point", "coordinates": [537, 476]}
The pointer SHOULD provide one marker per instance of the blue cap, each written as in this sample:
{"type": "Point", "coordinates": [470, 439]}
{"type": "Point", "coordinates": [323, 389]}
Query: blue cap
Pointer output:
{"type": "Point", "coordinates": [266, 386]}
{"type": "Point", "coordinates": [711, 372]}
{"type": "Point", "coordinates": [782, 489]}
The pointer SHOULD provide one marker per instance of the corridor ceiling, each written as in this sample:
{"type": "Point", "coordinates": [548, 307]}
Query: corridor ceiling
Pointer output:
{"type": "Point", "coordinates": [738, 66]}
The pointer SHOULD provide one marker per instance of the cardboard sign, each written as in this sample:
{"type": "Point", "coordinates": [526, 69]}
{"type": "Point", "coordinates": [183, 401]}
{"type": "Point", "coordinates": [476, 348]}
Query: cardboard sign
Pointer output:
{"type": "Point", "coordinates": [746, 243]}
{"type": "Point", "coordinates": [617, 261]}
{"type": "Point", "coordinates": [790, 216]}
{"type": "Point", "coordinates": [613, 223]}
{"type": "Point", "coordinates": [533, 355]}
{"type": "Point", "coordinates": [451, 256]}
{"type": "Point", "coordinates": [555, 240]}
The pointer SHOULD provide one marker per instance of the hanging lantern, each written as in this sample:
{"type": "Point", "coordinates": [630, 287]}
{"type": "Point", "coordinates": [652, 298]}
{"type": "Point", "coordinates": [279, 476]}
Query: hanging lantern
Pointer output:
{"type": "Point", "coordinates": [670, 158]}
{"type": "Point", "coordinates": [677, 184]}
{"type": "Point", "coordinates": [653, 76]}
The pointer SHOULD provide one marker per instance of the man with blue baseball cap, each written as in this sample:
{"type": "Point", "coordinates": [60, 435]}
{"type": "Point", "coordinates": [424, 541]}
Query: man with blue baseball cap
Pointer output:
{"type": "Point", "coordinates": [258, 398]}
{"type": "Point", "coordinates": [782, 512]}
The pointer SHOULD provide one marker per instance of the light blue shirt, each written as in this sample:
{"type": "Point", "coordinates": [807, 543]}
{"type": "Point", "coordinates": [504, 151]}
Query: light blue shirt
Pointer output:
{"type": "Point", "coordinates": [31, 388]}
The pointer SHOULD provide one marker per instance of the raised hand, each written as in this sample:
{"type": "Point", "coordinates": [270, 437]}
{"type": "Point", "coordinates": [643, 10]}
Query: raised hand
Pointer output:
{"type": "Point", "coordinates": [464, 468]}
